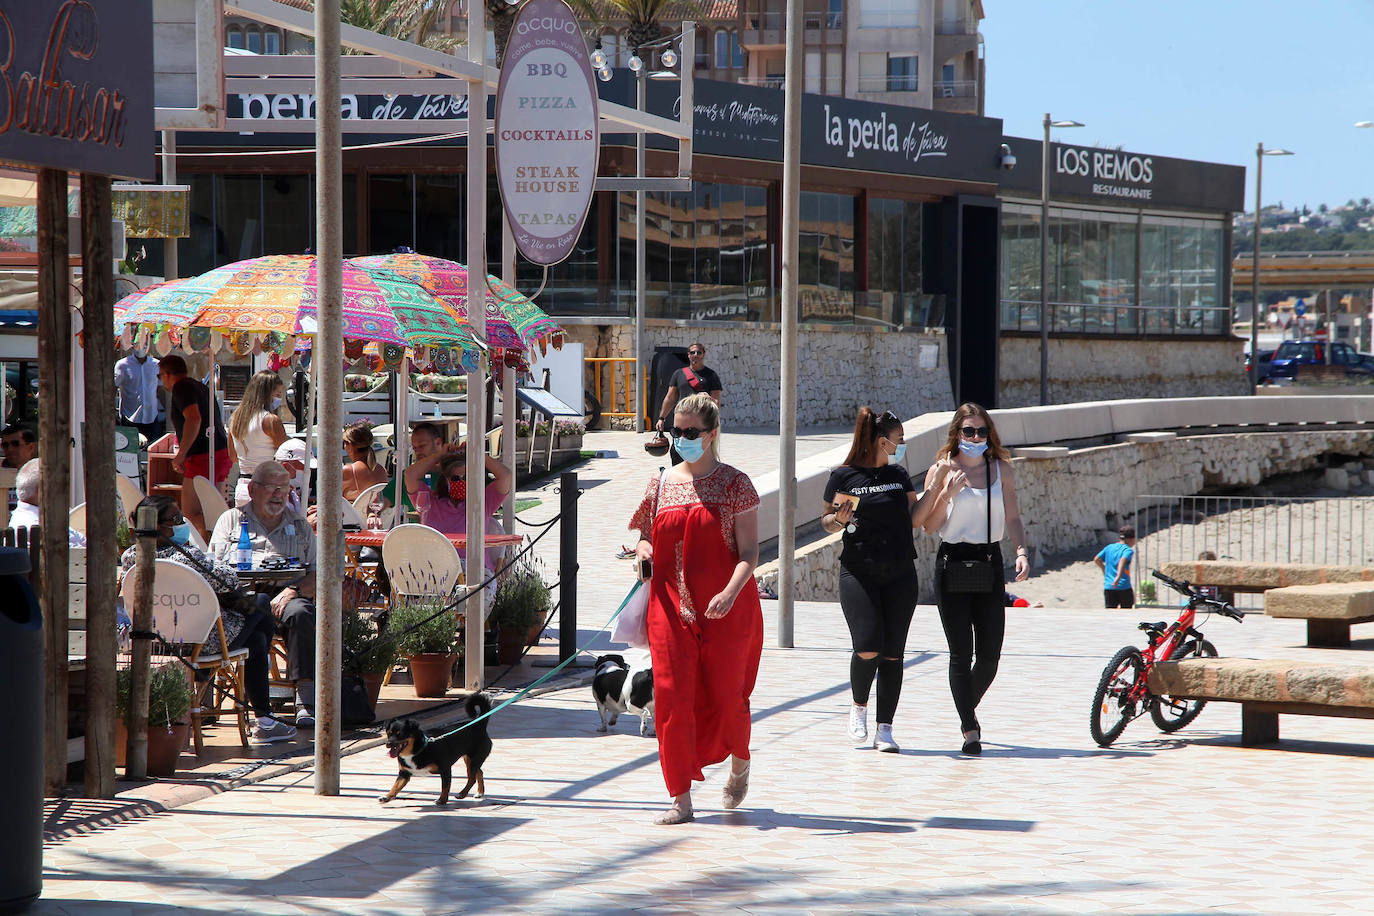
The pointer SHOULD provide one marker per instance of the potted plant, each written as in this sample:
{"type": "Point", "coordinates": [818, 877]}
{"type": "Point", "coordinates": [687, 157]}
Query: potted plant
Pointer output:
{"type": "Point", "coordinates": [367, 652]}
{"type": "Point", "coordinates": [169, 702]}
{"type": "Point", "coordinates": [569, 434]}
{"type": "Point", "coordinates": [518, 611]}
{"type": "Point", "coordinates": [426, 635]}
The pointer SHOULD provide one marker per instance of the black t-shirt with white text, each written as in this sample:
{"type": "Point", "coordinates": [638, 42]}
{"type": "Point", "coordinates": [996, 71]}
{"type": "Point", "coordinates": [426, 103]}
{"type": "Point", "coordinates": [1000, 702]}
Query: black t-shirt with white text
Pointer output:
{"type": "Point", "coordinates": [189, 391]}
{"type": "Point", "coordinates": [707, 377]}
{"type": "Point", "coordinates": [882, 536]}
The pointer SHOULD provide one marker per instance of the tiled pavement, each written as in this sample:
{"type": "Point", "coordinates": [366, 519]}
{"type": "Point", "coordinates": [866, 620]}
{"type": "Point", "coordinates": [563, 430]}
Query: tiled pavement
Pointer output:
{"type": "Point", "coordinates": [1043, 822]}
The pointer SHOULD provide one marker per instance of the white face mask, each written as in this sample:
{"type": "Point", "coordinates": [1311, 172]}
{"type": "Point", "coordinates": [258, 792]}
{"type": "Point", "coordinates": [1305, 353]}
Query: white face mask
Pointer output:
{"type": "Point", "coordinates": [141, 353]}
{"type": "Point", "coordinates": [276, 405]}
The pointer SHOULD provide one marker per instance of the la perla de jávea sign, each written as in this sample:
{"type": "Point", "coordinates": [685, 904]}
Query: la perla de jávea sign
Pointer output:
{"type": "Point", "coordinates": [547, 136]}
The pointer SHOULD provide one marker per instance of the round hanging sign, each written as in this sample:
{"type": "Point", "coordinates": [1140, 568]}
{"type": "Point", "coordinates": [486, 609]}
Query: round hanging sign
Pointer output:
{"type": "Point", "coordinates": [547, 134]}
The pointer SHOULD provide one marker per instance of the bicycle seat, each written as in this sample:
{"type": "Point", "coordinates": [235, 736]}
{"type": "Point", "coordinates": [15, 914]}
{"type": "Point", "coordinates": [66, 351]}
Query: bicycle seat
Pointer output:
{"type": "Point", "coordinates": [1157, 626]}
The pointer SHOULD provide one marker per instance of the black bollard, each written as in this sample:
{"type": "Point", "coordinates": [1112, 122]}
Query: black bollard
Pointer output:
{"type": "Point", "coordinates": [567, 566]}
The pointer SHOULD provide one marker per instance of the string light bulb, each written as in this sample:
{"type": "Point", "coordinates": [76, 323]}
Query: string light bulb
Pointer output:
{"type": "Point", "coordinates": [669, 57]}
{"type": "Point", "coordinates": [604, 74]}
{"type": "Point", "coordinates": [598, 58]}
{"type": "Point", "coordinates": [636, 64]}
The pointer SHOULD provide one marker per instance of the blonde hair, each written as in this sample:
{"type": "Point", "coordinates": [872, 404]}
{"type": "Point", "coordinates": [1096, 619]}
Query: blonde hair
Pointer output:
{"type": "Point", "coordinates": [359, 435]}
{"type": "Point", "coordinates": [704, 408]}
{"type": "Point", "coordinates": [257, 399]}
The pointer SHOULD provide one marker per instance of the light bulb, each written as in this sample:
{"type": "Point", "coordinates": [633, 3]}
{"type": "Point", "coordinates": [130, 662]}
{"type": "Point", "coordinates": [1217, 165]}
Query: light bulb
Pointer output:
{"type": "Point", "coordinates": [669, 57]}
{"type": "Point", "coordinates": [635, 63]}
{"type": "Point", "coordinates": [598, 58]}
{"type": "Point", "coordinates": [604, 74]}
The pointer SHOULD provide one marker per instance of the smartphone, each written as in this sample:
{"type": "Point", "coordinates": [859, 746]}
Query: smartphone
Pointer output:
{"type": "Point", "coordinates": [646, 569]}
{"type": "Point", "coordinates": [850, 499]}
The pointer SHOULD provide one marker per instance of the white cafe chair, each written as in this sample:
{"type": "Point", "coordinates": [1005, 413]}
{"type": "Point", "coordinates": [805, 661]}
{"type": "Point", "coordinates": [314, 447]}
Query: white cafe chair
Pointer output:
{"type": "Point", "coordinates": [212, 503]}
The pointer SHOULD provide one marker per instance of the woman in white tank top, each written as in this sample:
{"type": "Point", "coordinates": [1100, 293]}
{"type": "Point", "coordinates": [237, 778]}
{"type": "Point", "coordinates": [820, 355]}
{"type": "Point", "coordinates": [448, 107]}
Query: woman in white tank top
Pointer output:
{"type": "Point", "coordinates": [255, 430]}
{"type": "Point", "coordinates": [972, 514]}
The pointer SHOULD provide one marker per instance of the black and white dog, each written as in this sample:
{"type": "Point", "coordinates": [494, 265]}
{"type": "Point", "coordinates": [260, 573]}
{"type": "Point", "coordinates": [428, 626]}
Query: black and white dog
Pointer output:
{"type": "Point", "coordinates": [619, 688]}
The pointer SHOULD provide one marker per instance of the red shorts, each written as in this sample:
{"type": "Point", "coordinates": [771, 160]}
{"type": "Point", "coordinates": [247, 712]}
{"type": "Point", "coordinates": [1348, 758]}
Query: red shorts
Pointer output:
{"type": "Point", "coordinates": [199, 465]}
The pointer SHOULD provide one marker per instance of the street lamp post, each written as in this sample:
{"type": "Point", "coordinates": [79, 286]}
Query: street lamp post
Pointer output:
{"type": "Point", "coordinates": [1369, 319]}
{"type": "Point", "coordinates": [1044, 255]}
{"type": "Point", "coordinates": [1260, 153]}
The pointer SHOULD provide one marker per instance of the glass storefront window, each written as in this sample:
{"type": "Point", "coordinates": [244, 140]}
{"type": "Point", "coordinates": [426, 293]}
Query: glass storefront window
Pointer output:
{"type": "Point", "coordinates": [1093, 274]}
{"type": "Point", "coordinates": [825, 269]}
{"type": "Point", "coordinates": [894, 265]}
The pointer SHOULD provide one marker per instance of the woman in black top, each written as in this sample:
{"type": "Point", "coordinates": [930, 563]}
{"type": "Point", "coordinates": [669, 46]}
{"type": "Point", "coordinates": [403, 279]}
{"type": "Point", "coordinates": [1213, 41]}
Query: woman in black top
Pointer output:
{"type": "Point", "coordinates": [877, 569]}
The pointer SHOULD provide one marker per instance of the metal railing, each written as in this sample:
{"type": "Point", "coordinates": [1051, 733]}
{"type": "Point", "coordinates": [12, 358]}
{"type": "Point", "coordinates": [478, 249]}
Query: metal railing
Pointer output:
{"type": "Point", "coordinates": [767, 82]}
{"type": "Point", "coordinates": [889, 83]}
{"type": "Point", "coordinates": [1335, 531]}
{"type": "Point", "coordinates": [765, 19]}
{"type": "Point", "coordinates": [1117, 319]}
{"type": "Point", "coordinates": [963, 25]}
{"type": "Point", "coordinates": [956, 89]}
{"type": "Point", "coordinates": [615, 396]}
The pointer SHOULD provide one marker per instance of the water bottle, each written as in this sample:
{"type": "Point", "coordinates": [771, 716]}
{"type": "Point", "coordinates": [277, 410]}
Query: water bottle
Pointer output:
{"type": "Point", "coordinates": [292, 561]}
{"type": "Point", "coordinates": [245, 547]}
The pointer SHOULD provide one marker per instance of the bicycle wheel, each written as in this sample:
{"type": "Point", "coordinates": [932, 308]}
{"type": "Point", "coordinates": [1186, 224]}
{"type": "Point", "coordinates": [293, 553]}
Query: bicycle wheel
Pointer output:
{"type": "Point", "coordinates": [1113, 704]}
{"type": "Point", "coordinates": [1170, 714]}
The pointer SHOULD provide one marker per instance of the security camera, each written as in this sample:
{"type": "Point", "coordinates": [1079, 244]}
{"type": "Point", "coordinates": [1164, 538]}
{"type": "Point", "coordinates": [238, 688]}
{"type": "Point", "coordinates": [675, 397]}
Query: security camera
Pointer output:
{"type": "Point", "coordinates": [1007, 159]}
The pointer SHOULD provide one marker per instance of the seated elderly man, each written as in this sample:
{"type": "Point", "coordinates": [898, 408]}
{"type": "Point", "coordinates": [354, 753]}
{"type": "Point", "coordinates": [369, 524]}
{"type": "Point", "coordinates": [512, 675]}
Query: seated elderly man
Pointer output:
{"type": "Point", "coordinates": [276, 530]}
{"type": "Point", "coordinates": [25, 514]}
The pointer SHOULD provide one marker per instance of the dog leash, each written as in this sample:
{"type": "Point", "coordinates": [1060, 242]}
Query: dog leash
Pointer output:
{"type": "Point", "coordinates": [552, 671]}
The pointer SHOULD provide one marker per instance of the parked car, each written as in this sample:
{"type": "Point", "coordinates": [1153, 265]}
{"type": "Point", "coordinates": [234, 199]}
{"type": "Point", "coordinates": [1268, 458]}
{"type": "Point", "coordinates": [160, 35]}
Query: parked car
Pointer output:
{"type": "Point", "coordinates": [1294, 354]}
{"type": "Point", "coordinates": [1265, 357]}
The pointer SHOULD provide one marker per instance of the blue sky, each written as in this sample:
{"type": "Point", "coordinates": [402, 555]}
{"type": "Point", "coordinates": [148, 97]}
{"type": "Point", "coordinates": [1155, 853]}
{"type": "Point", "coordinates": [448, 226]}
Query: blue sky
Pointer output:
{"type": "Point", "coordinates": [1202, 79]}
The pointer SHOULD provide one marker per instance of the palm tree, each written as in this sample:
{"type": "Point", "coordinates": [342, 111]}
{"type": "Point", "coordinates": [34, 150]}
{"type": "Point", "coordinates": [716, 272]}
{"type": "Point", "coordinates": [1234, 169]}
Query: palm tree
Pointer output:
{"type": "Point", "coordinates": [408, 20]}
{"type": "Point", "coordinates": [644, 17]}
{"type": "Point", "coordinates": [501, 15]}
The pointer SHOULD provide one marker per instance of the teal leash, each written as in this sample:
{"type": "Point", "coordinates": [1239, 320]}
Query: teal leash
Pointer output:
{"type": "Point", "coordinates": [524, 691]}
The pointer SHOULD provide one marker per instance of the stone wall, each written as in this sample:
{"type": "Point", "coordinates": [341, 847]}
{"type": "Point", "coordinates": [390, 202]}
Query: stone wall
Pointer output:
{"type": "Point", "coordinates": [1084, 370]}
{"type": "Point", "coordinates": [839, 368]}
{"type": "Point", "coordinates": [1067, 501]}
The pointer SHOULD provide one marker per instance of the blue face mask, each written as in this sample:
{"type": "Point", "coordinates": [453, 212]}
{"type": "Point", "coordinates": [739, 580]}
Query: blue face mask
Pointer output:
{"type": "Point", "coordinates": [690, 449]}
{"type": "Point", "coordinates": [181, 534]}
{"type": "Point", "coordinates": [276, 405]}
{"type": "Point", "coordinates": [897, 456]}
{"type": "Point", "coordinates": [973, 449]}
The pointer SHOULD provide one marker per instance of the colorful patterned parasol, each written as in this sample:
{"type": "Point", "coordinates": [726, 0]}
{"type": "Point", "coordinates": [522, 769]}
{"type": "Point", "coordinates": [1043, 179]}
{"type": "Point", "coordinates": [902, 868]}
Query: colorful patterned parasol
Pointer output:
{"type": "Point", "coordinates": [275, 297]}
{"type": "Point", "coordinates": [513, 322]}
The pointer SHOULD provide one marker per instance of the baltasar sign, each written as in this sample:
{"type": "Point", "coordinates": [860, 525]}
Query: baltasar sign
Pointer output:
{"type": "Point", "coordinates": [547, 137]}
{"type": "Point", "coordinates": [76, 85]}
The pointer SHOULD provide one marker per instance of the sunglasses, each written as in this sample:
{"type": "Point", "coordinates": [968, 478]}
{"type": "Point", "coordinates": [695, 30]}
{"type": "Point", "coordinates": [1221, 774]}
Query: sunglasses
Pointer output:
{"type": "Point", "coordinates": [974, 432]}
{"type": "Point", "coordinates": [690, 433]}
{"type": "Point", "coordinates": [696, 352]}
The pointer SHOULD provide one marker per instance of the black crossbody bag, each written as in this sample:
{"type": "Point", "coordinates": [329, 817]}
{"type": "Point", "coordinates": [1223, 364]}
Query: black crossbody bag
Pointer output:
{"type": "Point", "coordinates": [979, 576]}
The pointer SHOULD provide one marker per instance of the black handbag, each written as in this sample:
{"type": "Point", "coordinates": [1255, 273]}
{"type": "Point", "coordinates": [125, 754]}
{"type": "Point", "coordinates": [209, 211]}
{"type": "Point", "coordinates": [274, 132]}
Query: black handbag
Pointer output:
{"type": "Point", "coordinates": [977, 576]}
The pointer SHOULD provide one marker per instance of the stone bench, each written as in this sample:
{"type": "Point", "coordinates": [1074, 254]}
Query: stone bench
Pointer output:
{"type": "Point", "coordinates": [1329, 609]}
{"type": "Point", "coordinates": [1265, 688]}
{"type": "Point", "coordinates": [1261, 577]}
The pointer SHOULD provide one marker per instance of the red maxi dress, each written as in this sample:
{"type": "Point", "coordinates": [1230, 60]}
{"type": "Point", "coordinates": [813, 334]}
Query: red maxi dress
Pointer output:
{"type": "Point", "coordinates": [704, 670]}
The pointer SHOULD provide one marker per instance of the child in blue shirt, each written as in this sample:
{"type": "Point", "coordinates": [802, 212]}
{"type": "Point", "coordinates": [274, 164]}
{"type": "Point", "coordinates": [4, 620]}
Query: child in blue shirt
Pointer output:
{"type": "Point", "coordinates": [1115, 562]}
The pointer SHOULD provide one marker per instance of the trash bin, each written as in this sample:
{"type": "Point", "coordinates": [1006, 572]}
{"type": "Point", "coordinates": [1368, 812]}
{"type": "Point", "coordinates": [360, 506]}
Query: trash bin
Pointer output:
{"type": "Point", "coordinates": [21, 714]}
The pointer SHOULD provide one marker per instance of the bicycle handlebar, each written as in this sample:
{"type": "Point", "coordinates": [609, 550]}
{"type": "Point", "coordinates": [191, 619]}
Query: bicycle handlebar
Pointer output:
{"type": "Point", "coordinates": [1192, 592]}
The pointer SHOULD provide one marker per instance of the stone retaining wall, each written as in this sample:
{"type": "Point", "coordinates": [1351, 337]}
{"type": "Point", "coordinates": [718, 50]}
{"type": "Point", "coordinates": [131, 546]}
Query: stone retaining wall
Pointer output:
{"type": "Point", "coordinates": [1066, 501]}
{"type": "Point", "coordinates": [1100, 370]}
{"type": "Point", "coordinates": [839, 368]}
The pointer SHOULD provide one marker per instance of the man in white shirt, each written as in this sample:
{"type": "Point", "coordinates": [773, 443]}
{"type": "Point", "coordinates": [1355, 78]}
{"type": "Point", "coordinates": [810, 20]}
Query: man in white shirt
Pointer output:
{"type": "Point", "coordinates": [136, 377]}
{"type": "Point", "coordinates": [25, 514]}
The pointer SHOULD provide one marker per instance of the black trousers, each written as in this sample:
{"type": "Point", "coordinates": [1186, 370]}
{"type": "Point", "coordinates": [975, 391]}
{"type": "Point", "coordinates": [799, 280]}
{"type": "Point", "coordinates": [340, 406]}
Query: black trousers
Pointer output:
{"type": "Point", "coordinates": [974, 626]}
{"type": "Point", "coordinates": [878, 610]}
{"type": "Point", "coordinates": [298, 626]}
{"type": "Point", "coordinates": [256, 636]}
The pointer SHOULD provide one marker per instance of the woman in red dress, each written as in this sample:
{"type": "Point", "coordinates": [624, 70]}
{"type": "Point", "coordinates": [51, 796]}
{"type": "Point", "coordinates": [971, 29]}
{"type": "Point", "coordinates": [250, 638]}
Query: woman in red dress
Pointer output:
{"type": "Point", "coordinates": [699, 525]}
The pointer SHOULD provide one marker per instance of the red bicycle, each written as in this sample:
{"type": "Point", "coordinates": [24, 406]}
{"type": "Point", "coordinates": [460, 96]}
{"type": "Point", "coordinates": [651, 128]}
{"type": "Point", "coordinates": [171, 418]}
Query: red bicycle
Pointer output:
{"type": "Point", "coordinates": [1123, 692]}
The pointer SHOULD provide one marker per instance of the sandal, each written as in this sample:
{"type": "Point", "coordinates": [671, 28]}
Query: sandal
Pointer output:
{"type": "Point", "coordinates": [736, 787]}
{"type": "Point", "coordinates": [675, 815]}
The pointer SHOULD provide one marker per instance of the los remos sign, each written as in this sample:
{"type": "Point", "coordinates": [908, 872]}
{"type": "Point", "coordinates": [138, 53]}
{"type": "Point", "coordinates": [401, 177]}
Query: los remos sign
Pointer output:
{"type": "Point", "coordinates": [547, 135]}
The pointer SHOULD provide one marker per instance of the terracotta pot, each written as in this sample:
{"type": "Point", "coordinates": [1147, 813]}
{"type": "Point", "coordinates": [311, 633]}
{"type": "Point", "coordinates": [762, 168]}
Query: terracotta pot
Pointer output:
{"type": "Point", "coordinates": [509, 642]}
{"type": "Point", "coordinates": [164, 747]}
{"type": "Point", "coordinates": [429, 673]}
{"type": "Point", "coordinates": [373, 683]}
{"type": "Point", "coordinates": [536, 631]}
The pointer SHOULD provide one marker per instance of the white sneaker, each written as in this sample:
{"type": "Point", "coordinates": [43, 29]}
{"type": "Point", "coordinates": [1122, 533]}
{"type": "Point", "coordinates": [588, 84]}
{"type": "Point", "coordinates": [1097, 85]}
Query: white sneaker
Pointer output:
{"type": "Point", "coordinates": [858, 727]}
{"type": "Point", "coordinates": [884, 741]}
{"type": "Point", "coordinates": [305, 718]}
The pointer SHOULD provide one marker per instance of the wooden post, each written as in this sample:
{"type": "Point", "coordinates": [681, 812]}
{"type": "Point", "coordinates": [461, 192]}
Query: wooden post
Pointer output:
{"type": "Point", "coordinates": [140, 676]}
{"type": "Point", "coordinates": [97, 293]}
{"type": "Point", "coordinates": [54, 435]}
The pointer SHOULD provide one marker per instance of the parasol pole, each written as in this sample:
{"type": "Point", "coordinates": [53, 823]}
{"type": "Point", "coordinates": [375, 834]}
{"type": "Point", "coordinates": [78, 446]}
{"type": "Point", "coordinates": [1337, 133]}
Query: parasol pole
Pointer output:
{"type": "Point", "coordinates": [401, 432]}
{"type": "Point", "coordinates": [508, 383]}
{"type": "Point", "coordinates": [477, 316]}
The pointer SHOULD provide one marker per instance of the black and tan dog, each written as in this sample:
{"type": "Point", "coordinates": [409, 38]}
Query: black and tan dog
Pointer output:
{"type": "Point", "coordinates": [418, 753]}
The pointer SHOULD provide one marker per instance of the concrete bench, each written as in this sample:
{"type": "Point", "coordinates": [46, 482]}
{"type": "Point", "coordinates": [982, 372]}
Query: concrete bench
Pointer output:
{"type": "Point", "coordinates": [1266, 688]}
{"type": "Point", "coordinates": [1329, 609]}
{"type": "Point", "coordinates": [1261, 577]}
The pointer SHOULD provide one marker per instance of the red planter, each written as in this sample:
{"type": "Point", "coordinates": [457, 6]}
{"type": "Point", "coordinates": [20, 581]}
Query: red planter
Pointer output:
{"type": "Point", "coordinates": [373, 683]}
{"type": "Point", "coordinates": [429, 673]}
{"type": "Point", "coordinates": [164, 747]}
{"type": "Point", "coordinates": [509, 643]}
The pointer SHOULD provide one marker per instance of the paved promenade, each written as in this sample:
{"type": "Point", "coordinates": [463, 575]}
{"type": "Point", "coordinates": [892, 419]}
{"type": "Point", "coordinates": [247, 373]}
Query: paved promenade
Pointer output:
{"type": "Point", "coordinates": [1043, 822]}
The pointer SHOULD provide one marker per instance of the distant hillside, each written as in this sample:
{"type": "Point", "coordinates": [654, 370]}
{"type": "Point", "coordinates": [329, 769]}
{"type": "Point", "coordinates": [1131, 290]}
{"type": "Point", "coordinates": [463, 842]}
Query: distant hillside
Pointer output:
{"type": "Point", "coordinates": [1346, 228]}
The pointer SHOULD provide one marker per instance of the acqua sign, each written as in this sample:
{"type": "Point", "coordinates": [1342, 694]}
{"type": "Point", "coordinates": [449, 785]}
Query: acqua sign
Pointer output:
{"type": "Point", "coordinates": [76, 86]}
{"type": "Point", "coordinates": [547, 133]}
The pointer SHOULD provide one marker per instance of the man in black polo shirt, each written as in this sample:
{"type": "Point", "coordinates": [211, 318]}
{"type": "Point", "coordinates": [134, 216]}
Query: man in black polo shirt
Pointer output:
{"type": "Point", "coordinates": [694, 378]}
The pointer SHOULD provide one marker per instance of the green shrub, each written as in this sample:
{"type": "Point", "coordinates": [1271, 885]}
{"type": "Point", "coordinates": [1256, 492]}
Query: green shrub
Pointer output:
{"type": "Point", "coordinates": [522, 598]}
{"type": "Point", "coordinates": [365, 651]}
{"type": "Point", "coordinates": [437, 635]}
{"type": "Point", "coordinates": [169, 695]}
{"type": "Point", "coordinates": [1147, 591]}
